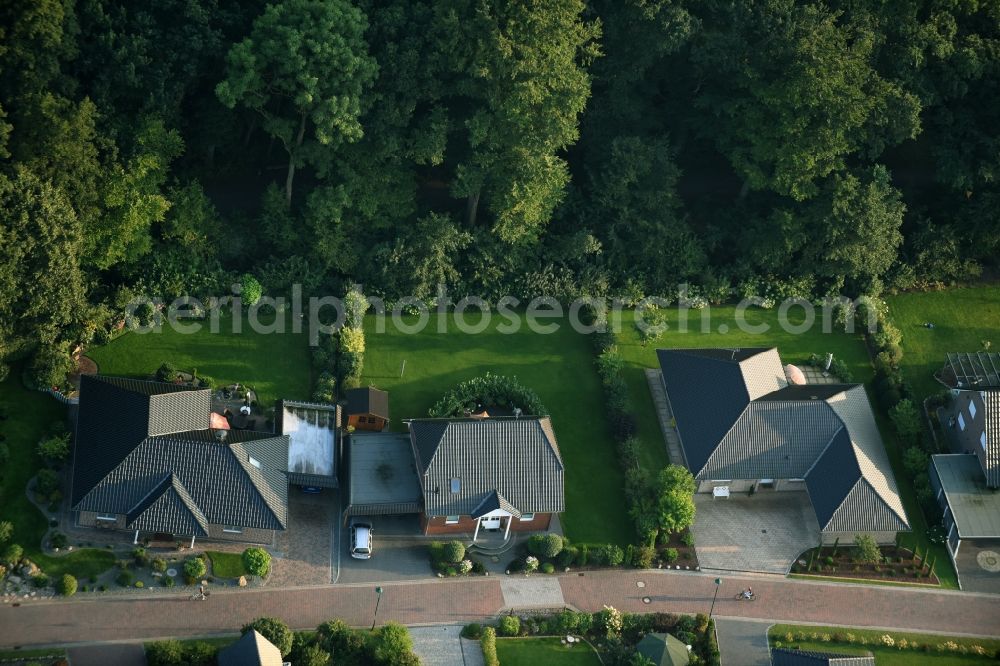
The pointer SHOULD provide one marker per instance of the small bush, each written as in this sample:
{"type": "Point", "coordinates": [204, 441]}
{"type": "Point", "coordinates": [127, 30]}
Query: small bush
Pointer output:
{"type": "Point", "coordinates": [688, 539]}
{"type": "Point", "coordinates": [159, 564]}
{"type": "Point", "coordinates": [829, 560]}
{"type": "Point", "coordinates": [545, 545]}
{"type": "Point", "coordinates": [67, 585]}
{"type": "Point", "coordinates": [613, 555]}
{"type": "Point", "coordinates": [644, 556]}
{"type": "Point", "coordinates": [194, 568]}
{"type": "Point", "coordinates": [124, 578]}
{"type": "Point", "coordinates": [139, 584]}
{"type": "Point", "coordinates": [168, 581]}
{"type": "Point", "coordinates": [669, 555]}
{"type": "Point", "coordinates": [140, 556]}
{"type": "Point", "coordinates": [473, 631]}
{"type": "Point", "coordinates": [58, 540]}
{"type": "Point", "coordinates": [257, 561]}
{"type": "Point", "coordinates": [548, 568]}
{"type": "Point", "coordinates": [13, 554]}
{"type": "Point", "coordinates": [40, 580]}
{"type": "Point", "coordinates": [454, 551]}
{"type": "Point", "coordinates": [273, 630]}
{"type": "Point", "coordinates": [510, 625]}
{"type": "Point", "coordinates": [167, 372]}
{"type": "Point", "coordinates": [568, 556]}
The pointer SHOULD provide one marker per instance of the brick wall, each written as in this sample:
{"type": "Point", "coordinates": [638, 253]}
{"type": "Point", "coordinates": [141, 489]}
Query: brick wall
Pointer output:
{"type": "Point", "coordinates": [467, 524]}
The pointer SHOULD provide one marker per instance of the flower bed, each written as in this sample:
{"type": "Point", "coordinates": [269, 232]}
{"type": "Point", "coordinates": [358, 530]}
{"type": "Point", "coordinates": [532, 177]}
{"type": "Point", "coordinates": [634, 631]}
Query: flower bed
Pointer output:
{"type": "Point", "coordinates": [897, 565]}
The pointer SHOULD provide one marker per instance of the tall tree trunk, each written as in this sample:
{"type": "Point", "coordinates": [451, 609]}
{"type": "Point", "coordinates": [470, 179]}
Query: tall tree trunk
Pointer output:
{"type": "Point", "coordinates": [472, 208]}
{"type": "Point", "coordinates": [291, 160]}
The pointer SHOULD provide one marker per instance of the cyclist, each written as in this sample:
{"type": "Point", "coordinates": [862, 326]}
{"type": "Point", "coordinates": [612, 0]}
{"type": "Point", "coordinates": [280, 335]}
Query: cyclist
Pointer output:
{"type": "Point", "coordinates": [748, 593]}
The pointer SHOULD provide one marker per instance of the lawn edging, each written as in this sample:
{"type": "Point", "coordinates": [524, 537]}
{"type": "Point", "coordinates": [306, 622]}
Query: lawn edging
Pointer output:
{"type": "Point", "coordinates": [888, 643]}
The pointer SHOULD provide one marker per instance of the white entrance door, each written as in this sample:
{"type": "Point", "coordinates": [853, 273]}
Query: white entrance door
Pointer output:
{"type": "Point", "coordinates": [490, 522]}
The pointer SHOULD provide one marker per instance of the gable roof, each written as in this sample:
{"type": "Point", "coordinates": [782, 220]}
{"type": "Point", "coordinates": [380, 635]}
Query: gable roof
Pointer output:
{"type": "Point", "coordinates": [251, 649]}
{"type": "Point", "coordinates": [367, 401]}
{"type": "Point", "coordinates": [787, 657]}
{"type": "Point", "coordinates": [663, 650]}
{"type": "Point", "coordinates": [163, 471]}
{"type": "Point", "coordinates": [825, 434]}
{"type": "Point", "coordinates": [516, 459]}
{"type": "Point", "coordinates": [721, 382]}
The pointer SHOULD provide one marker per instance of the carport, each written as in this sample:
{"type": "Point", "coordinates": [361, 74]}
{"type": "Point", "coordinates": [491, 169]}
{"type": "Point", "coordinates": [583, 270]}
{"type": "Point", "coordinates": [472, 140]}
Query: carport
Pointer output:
{"type": "Point", "coordinates": [971, 520]}
{"type": "Point", "coordinates": [382, 476]}
{"type": "Point", "coordinates": [763, 533]}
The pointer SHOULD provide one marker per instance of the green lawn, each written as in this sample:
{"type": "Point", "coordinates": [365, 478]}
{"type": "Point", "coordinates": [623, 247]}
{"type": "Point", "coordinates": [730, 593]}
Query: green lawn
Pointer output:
{"type": "Point", "coordinates": [277, 365]}
{"type": "Point", "coordinates": [548, 651]}
{"type": "Point", "coordinates": [30, 415]}
{"type": "Point", "coordinates": [226, 565]}
{"type": "Point", "coordinates": [559, 367]}
{"type": "Point", "coordinates": [884, 656]}
{"type": "Point", "coordinates": [963, 319]}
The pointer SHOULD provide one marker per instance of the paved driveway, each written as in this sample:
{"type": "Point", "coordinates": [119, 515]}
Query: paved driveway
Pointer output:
{"type": "Point", "coordinates": [394, 559]}
{"type": "Point", "coordinates": [763, 533]}
{"type": "Point", "coordinates": [443, 646]}
{"type": "Point", "coordinates": [743, 642]}
{"type": "Point", "coordinates": [979, 565]}
{"type": "Point", "coordinates": [305, 546]}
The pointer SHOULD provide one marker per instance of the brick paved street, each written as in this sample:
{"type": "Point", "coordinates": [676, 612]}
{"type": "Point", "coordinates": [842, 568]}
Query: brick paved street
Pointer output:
{"type": "Point", "coordinates": [458, 601]}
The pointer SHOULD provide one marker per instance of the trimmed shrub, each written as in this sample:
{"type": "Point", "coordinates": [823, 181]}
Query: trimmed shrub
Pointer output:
{"type": "Point", "coordinates": [13, 554]}
{"type": "Point", "coordinates": [510, 625]}
{"type": "Point", "coordinates": [165, 653]}
{"type": "Point", "coordinates": [489, 644]}
{"type": "Point", "coordinates": [194, 568]}
{"type": "Point", "coordinates": [473, 631]}
{"type": "Point", "coordinates": [391, 645]}
{"type": "Point", "coordinates": [257, 561]}
{"type": "Point", "coordinates": [643, 557]}
{"type": "Point", "coordinates": [545, 545]}
{"type": "Point", "coordinates": [548, 568]}
{"type": "Point", "coordinates": [58, 540]}
{"type": "Point", "coordinates": [167, 372]}
{"type": "Point", "coordinates": [454, 552]}
{"type": "Point", "coordinates": [488, 390]}
{"type": "Point", "coordinates": [251, 290]}
{"type": "Point", "coordinates": [669, 555]}
{"type": "Point", "coordinates": [66, 586]}
{"type": "Point", "coordinates": [168, 581]}
{"type": "Point", "coordinates": [568, 556]}
{"type": "Point", "coordinates": [159, 564]}
{"type": "Point", "coordinates": [124, 578]}
{"type": "Point", "coordinates": [687, 539]}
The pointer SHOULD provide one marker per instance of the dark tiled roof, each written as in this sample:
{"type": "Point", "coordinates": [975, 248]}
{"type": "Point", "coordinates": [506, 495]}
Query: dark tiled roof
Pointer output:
{"type": "Point", "coordinates": [367, 401]}
{"type": "Point", "coordinates": [168, 508]}
{"type": "Point", "coordinates": [708, 391]}
{"type": "Point", "coordinates": [130, 460]}
{"type": "Point", "coordinates": [738, 419]}
{"type": "Point", "coordinates": [251, 649]}
{"type": "Point", "coordinates": [787, 657]}
{"type": "Point", "coordinates": [517, 458]}
{"type": "Point", "coordinates": [492, 502]}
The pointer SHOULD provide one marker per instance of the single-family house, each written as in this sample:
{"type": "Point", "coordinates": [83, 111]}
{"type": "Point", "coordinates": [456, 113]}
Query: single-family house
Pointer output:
{"type": "Point", "coordinates": [147, 460]}
{"type": "Point", "coordinates": [744, 427]}
{"type": "Point", "coordinates": [500, 473]}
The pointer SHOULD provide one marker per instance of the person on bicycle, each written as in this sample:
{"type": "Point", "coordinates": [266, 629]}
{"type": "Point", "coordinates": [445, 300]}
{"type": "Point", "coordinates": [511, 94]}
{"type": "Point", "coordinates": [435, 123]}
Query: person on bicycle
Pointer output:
{"type": "Point", "coordinates": [748, 593]}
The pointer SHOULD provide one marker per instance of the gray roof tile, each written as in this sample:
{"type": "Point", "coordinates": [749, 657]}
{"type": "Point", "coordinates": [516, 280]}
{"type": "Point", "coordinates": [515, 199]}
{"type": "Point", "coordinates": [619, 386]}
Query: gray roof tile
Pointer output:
{"type": "Point", "coordinates": [517, 458]}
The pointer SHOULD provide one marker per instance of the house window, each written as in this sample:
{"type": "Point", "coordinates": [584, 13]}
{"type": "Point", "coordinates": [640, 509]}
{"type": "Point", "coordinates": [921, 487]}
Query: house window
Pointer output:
{"type": "Point", "coordinates": [982, 440]}
{"type": "Point", "coordinates": [456, 485]}
{"type": "Point", "coordinates": [526, 517]}
{"type": "Point", "coordinates": [961, 422]}
{"type": "Point", "coordinates": [362, 419]}
{"type": "Point", "coordinates": [232, 529]}
{"type": "Point", "coordinates": [450, 520]}
{"type": "Point", "coordinates": [254, 462]}
{"type": "Point", "coordinates": [109, 517]}
{"type": "Point", "coordinates": [972, 410]}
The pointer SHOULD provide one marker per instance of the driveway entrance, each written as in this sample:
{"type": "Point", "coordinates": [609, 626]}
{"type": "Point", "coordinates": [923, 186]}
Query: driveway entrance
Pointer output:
{"type": "Point", "coordinates": [979, 565]}
{"type": "Point", "coordinates": [764, 532]}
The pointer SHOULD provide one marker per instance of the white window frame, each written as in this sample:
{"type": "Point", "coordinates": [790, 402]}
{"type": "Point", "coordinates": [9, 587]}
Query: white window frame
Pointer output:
{"type": "Point", "coordinates": [961, 421]}
{"type": "Point", "coordinates": [527, 517]}
{"type": "Point", "coordinates": [972, 410]}
{"type": "Point", "coordinates": [982, 440]}
{"type": "Point", "coordinates": [452, 520]}
{"type": "Point", "coordinates": [232, 529]}
{"type": "Point", "coordinates": [107, 517]}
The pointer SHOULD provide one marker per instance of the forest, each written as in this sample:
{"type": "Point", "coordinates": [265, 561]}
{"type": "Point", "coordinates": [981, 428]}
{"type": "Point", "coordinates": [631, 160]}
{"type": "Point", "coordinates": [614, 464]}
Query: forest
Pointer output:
{"type": "Point", "coordinates": [500, 147]}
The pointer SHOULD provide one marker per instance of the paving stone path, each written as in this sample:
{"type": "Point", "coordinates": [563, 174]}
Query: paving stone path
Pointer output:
{"type": "Point", "coordinates": [743, 642]}
{"type": "Point", "coordinates": [439, 645]}
{"type": "Point", "coordinates": [663, 413]}
{"type": "Point", "coordinates": [531, 592]}
{"type": "Point", "coordinates": [456, 601]}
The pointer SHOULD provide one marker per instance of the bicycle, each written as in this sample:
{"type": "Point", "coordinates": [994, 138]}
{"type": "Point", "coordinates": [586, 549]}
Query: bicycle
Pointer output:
{"type": "Point", "coordinates": [200, 595]}
{"type": "Point", "coordinates": [743, 597]}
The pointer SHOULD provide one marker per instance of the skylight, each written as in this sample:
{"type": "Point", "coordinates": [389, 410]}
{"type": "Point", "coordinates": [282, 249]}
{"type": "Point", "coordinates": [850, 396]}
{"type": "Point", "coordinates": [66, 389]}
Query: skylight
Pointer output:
{"type": "Point", "coordinates": [456, 485]}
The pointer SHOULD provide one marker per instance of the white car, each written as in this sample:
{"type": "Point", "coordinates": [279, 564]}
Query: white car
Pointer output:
{"type": "Point", "coordinates": [361, 541]}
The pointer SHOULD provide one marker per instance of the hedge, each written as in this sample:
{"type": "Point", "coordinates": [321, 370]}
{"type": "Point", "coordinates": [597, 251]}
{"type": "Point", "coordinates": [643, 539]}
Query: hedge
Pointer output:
{"type": "Point", "coordinates": [489, 645]}
{"type": "Point", "coordinates": [488, 391]}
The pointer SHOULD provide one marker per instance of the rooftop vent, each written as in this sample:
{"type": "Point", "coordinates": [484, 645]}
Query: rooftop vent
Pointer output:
{"type": "Point", "coordinates": [221, 435]}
